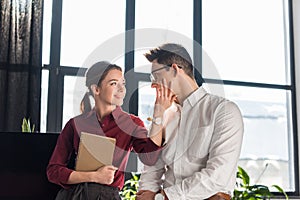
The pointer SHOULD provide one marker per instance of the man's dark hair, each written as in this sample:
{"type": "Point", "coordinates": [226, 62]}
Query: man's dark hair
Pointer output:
{"type": "Point", "coordinates": [170, 53]}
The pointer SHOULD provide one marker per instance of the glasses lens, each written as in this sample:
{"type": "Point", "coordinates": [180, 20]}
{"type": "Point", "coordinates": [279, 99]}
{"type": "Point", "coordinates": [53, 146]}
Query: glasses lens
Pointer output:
{"type": "Point", "coordinates": [152, 78]}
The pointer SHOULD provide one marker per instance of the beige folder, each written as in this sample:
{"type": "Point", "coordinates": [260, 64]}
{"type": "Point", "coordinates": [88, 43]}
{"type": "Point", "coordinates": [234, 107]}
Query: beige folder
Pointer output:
{"type": "Point", "coordinates": [94, 152]}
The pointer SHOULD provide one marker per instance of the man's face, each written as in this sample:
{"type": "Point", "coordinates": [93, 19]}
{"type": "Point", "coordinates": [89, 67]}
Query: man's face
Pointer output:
{"type": "Point", "coordinates": [163, 74]}
{"type": "Point", "coordinates": [160, 72]}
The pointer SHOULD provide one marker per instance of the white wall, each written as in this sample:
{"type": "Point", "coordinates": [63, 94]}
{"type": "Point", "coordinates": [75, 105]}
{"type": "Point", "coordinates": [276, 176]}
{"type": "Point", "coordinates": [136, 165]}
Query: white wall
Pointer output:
{"type": "Point", "coordinates": [296, 11]}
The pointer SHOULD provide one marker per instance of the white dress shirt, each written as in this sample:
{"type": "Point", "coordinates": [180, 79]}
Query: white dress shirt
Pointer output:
{"type": "Point", "coordinates": [203, 144]}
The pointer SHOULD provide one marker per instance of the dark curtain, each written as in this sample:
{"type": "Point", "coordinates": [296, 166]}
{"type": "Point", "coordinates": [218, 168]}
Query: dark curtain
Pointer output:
{"type": "Point", "coordinates": [20, 62]}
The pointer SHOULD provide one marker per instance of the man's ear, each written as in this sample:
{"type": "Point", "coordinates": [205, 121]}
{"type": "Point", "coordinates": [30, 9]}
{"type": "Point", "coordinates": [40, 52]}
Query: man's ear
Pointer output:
{"type": "Point", "coordinates": [95, 89]}
{"type": "Point", "coordinates": [175, 68]}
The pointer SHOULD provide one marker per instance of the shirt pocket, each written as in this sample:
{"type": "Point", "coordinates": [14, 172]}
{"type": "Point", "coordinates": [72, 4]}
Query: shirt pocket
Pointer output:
{"type": "Point", "coordinates": [199, 142]}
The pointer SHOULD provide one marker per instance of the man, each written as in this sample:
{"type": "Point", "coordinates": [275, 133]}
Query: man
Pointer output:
{"type": "Point", "coordinates": [203, 135]}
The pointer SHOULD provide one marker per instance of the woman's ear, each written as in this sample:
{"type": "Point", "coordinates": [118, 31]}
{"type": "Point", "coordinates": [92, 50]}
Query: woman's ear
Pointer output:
{"type": "Point", "coordinates": [95, 89]}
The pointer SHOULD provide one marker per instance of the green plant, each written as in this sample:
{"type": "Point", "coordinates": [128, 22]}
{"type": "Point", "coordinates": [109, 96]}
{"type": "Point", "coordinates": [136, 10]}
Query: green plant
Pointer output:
{"type": "Point", "coordinates": [252, 192]}
{"type": "Point", "coordinates": [130, 187]}
{"type": "Point", "coordinates": [26, 127]}
{"type": "Point", "coordinates": [244, 190]}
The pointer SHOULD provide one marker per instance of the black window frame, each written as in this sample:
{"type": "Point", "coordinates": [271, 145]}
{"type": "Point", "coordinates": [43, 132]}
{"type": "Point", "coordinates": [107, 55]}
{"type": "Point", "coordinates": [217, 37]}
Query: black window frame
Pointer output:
{"type": "Point", "coordinates": [58, 72]}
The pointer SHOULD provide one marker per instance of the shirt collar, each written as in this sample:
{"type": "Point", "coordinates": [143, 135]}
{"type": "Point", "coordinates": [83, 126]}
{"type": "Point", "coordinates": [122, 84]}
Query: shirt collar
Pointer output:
{"type": "Point", "coordinates": [116, 113]}
{"type": "Point", "coordinates": [90, 113]}
{"type": "Point", "coordinates": [195, 97]}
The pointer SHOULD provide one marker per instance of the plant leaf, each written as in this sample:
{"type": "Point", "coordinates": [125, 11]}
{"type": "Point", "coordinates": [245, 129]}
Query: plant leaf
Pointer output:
{"type": "Point", "coordinates": [281, 191]}
{"type": "Point", "coordinates": [244, 176]}
{"type": "Point", "coordinates": [23, 124]}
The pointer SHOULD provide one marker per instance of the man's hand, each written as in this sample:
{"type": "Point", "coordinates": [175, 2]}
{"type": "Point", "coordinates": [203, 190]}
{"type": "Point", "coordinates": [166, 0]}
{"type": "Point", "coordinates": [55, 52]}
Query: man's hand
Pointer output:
{"type": "Point", "coordinates": [145, 195]}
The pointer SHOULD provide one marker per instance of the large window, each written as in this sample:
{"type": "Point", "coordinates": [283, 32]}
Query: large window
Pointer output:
{"type": "Point", "coordinates": [253, 50]}
{"type": "Point", "coordinates": [246, 46]}
{"type": "Point", "coordinates": [85, 26]}
{"type": "Point", "coordinates": [168, 16]}
{"type": "Point", "coordinates": [246, 58]}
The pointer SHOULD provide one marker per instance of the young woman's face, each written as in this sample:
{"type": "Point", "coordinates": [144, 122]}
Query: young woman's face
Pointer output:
{"type": "Point", "coordinates": [112, 89]}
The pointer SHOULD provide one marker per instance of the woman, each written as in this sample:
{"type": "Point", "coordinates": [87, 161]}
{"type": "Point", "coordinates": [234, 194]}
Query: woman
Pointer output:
{"type": "Point", "coordinates": [106, 83]}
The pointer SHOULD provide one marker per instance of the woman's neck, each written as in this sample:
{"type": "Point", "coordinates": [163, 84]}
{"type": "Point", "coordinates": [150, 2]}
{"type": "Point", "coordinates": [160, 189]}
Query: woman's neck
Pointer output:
{"type": "Point", "coordinates": [104, 110]}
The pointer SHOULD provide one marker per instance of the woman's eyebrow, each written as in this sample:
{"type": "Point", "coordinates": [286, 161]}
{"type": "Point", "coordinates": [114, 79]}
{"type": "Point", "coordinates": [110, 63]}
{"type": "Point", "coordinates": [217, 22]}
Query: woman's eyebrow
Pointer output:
{"type": "Point", "coordinates": [113, 80]}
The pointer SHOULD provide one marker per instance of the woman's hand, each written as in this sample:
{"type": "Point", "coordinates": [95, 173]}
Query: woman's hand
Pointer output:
{"type": "Point", "coordinates": [164, 97]}
{"type": "Point", "coordinates": [104, 175]}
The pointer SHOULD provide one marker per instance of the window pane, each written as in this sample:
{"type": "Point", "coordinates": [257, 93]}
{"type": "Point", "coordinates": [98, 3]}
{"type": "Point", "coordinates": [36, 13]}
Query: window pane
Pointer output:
{"type": "Point", "coordinates": [145, 108]}
{"type": "Point", "coordinates": [47, 15]}
{"type": "Point", "coordinates": [74, 90]}
{"type": "Point", "coordinates": [246, 46]}
{"type": "Point", "coordinates": [86, 25]}
{"type": "Point", "coordinates": [267, 150]}
{"type": "Point", "coordinates": [175, 16]}
{"type": "Point", "coordinates": [266, 114]}
{"type": "Point", "coordinates": [146, 101]}
{"type": "Point", "coordinates": [44, 100]}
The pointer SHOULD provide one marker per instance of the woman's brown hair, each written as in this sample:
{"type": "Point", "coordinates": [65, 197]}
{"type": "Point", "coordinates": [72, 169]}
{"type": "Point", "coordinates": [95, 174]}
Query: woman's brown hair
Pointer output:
{"type": "Point", "coordinates": [94, 76]}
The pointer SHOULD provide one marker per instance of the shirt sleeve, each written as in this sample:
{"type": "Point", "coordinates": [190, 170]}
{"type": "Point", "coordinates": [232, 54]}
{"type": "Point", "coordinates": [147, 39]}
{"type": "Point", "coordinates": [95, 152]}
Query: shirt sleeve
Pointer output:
{"type": "Point", "coordinates": [224, 153]}
{"type": "Point", "coordinates": [147, 150]}
{"type": "Point", "coordinates": [57, 171]}
{"type": "Point", "coordinates": [151, 177]}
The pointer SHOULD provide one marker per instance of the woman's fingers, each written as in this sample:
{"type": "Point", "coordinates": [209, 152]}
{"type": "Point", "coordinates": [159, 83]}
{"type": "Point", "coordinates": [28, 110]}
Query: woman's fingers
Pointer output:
{"type": "Point", "coordinates": [164, 94]}
{"type": "Point", "coordinates": [163, 88]}
{"type": "Point", "coordinates": [157, 91]}
{"type": "Point", "coordinates": [169, 90]}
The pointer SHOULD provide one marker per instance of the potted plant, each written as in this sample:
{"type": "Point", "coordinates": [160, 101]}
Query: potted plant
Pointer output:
{"type": "Point", "coordinates": [252, 192]}
{"type": "Point", "coordinates": [243, 191]}
{"type": "Point", "coordinates": [130, 187]}
{"type": "Point", "coordinates": [26, 127]}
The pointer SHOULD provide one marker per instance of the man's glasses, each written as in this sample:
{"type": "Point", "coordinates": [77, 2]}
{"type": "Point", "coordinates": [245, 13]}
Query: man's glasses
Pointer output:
{"type": "Point", "coordinates": [152, 75]}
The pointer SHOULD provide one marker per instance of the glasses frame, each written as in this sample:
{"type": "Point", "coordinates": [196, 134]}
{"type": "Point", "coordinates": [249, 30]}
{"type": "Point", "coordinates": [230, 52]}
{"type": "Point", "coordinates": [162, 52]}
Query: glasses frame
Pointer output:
{"type": "Point", "coordinates": [152, 78]}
